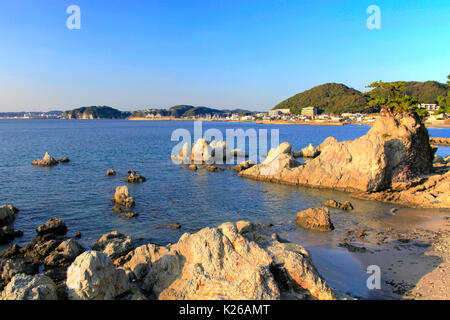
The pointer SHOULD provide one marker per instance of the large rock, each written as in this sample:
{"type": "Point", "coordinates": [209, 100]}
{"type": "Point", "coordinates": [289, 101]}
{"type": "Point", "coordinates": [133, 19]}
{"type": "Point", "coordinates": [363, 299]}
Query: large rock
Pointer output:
{"type": "Point", "coordinates": [10, 267]}
{"type": "Point", "coordinates": [46, 161]}
{"type": "Point", "coordinates": [114, 244]}
{"type": "Point", "coordinates": [7, 214]}
{"type": "Point", "coordinates": [395, 149]}
{"type": "Point", "coordinates": [229, 262]}
{"type": "Point", "coordinates": [315, 218]}
{"type": "Point", "coordinates": [53, 226]}
{"type": "Point", "coordinates": [122, 197]}
{"type": "Point", "coordinates": [92, 277]}
{"type": "Point", "coordinates": [27, 287]}
{"type": "Point", "coordinates": [201, 152]}
{"type": "Point", "coordinates": [64, 254]}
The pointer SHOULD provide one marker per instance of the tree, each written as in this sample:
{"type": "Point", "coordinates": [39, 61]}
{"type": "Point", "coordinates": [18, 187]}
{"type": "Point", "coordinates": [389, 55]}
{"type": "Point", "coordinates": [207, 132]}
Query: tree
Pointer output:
{"type": "Point", "coordinates": [444, 101]}
{"type": "Point", "coordinates": [390, 96]}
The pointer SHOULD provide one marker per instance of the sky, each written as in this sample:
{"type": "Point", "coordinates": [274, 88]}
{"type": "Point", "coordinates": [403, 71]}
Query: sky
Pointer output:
{"type": "Point", "coordinates": [248, 54]}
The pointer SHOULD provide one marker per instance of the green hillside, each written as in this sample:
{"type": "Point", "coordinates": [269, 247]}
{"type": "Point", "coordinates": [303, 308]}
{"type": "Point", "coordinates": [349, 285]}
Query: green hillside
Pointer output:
{"type": "Point", "coordinates": [95, 112]}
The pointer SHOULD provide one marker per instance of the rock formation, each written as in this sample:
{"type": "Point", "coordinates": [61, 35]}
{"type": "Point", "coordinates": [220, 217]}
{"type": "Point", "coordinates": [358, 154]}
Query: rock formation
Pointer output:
{"type": "Point", "coordinates": [315, 219]}
{"type": "Point", "coordinates": [307, 152]}
{"type": "Point", "coordinates": [122, 197]}
{"type": "Point", "coordinates": [395, 149]}
{"type": "Point", "coordinates": [134, 177]}
{"type": "Point", "coordinates": [52, 226]}
{"type": "Point", "coordinates": [243, 166]}
{"type": "Point", "coordinates": [114, 245]}
{"type": "Point", "coordinates": [48, 161]}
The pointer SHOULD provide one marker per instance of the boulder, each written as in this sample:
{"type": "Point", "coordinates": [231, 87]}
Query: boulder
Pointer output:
{"type": "Point", "coordinates": [64, 254]}
{"type": "Point", "coordinates": [92, 277]}
{"type": "Point", "coordinates": [111, 172]}
{"type": "Point", "coordinates": [307, 152]}
{"type": "Point", "coordinates": [395, 149]}
{"type": "Point", "coordinates": [229, 262]}
{"type": "Point", "coordinates": [315, 219]}
{"type": "Point", "coordinates": [238, 153]}
{"type": "Point", "coordinates": [114, 244]}
{"type": "Point", "coordinates": [46, 161]}
{"type": "Point", "coordinates": [30, 287]}
{"type": "Point", "coordinates": [7, 214]}
{"type": "Point", "coordinates": [122, 197]}
{"type": "Point", "coordinates": [53, 226]}
{"type": "Point", "coordinates": [10, 267]}
{"type": "Point", "coordinates": [134, 177]}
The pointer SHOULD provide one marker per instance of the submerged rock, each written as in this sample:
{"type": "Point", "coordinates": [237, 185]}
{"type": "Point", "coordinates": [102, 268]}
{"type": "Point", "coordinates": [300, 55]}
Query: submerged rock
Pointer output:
{"type": "Point", "coordinates": [92, 276]}
{"type": "Point", "coordinates": [122, 197]}
{"type": "Point", "coordinates": [134, 177]}
{"type": "Point", "coordinates": [28, 287]}
{"type": "Point", "coordinates": [315, 218]}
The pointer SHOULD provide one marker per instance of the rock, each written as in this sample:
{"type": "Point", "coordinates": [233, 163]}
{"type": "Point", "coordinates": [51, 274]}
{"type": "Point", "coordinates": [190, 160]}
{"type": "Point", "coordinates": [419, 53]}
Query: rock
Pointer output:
{"type": "Point", "coordinates": [307, 152]}
{"type": "Point", "coordinates": [212, 168]}
{"type": "Point", "coordinates": [53, 226]}
{"type": "Point", "coordinates": [238, 153]}
{"type": "Point", "coordinates": [175, 225]}
{"type": "Point", "coordinates": [335, 204]}
{"type": "Point", "coordinates": [219, 152]}
{"type": "Point", "coordinates": [10, 267]}
{"type": "Point", "coordinates": [134, 178]}
{"type": "Point", "coordinates": [46, 161]}
{"type": "Point", "coordinates": [201, 152]}
{"type": "Point", "coordinates": [7, 214]}
{"type": "Point", "coordinates": [63, 160]}
{"type": "Point", "coordinates": [184, 156]}
{"type": "Point", "coordinates": [7, 234]}
{"type": "Point", "coordinates": [395, 149]}
{"type": "Point", "coordinates": [243, 166]}
{"type": "Point", "coordinates": [114, 244]}
{"type": "Point", "coordinates": [111, 172]}
{"type": "Point", "coordinates": [78, 235]}
{"type": "Point", "coordinates": [122, 197]}
{"type": "Point", "coordinates": [193, 167]}
{"type": "Point", "coordinates": [129, 215]}
{"type": "Point", "coordinates": [353, 247]}
{"type": "Point", "coordinates": [92, 277]}
{"type": "Point", "coordinates": [315, 218]}
{"type": "Point", "coordinates": [13, 251]}
{"type": "Point", "coordinates": [28, 287]}
{"type": "Point", "coordinates": [64, 254]}
{"type": "Point", "coordinates": [439, 159]}
{"type": "Point", "coordinates": [229, 262]}
{"type": "Point", "coordinates": [39, 248]}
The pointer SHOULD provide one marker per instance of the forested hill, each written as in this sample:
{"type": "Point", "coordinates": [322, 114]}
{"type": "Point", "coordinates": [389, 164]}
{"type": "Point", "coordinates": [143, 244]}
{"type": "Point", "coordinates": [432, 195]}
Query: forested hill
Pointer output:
{"type": "Point", "coordinates": [95, 112]}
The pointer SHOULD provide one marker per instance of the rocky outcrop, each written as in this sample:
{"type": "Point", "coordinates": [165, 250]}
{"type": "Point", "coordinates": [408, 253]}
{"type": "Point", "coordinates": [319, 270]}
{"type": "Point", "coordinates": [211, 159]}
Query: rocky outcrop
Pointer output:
{"type": "Point", "coordinates": [347, 205]}
{"type": "Point", "coordinates": [243, 166]}
{"type": "Point", "coordinates": [239, 261]}
{"type": "Point", "coordinates": [114, 244]}
{"type": "Point", "coordinates": [395, 149]}
{"type": "Point", "coordinates": [52, 226]}
{"type": "Point", "coordinates": [48, 161]}
{"type": "Point", "coordinates": [315, 219]}
{"type": "Point", "coordinates": [307, 152]}
{"type": "Point", "coordinates": [111, 172]}
{"type": "Point", "coordinates": [92, 276]}
{"type": "Point", "coordinates": [28, 287]}
{"type": "Point", "coordinates": [134, 177]}
{"type": "Point", "coordinates": [122, 198]}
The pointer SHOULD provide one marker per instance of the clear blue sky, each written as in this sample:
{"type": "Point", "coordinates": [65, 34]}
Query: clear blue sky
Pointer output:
{"type": "Point", "coordinates": [219, 53]}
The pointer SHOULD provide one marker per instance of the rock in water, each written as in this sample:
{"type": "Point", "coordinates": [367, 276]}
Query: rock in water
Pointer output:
{"type": "Point", "coordinates": [111, 172]}
{"type": "Point", "coordinates": [27, 287]}
{"type": "Point", "coordinates": [7, 214]}
{"type": "Point", "coordinates": [315, 218]}
{"type": "Point", "coordinates": [212, 168]}
{"type": "Point", "coordinates": [92, 277]}
{"type": "Point", "coordinates": [46, 161]}
{"type": "Point", "coordinates": [243, 166]}
{"type": "Point", "coordinates": [53, 226]}
{"type": "Point", "coordinates": [239, 261]}
{"type": "Point", "coordinates": [122, 197]}
{"type": "Point", "coordinates": [134, 177]}
{"type": "Point", "coordinates": [335, 204]}
{"type": "Point", "coordinates": [395, 149]}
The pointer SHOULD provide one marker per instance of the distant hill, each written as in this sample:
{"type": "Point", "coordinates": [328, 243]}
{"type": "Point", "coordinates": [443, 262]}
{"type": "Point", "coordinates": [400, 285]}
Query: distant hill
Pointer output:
{"type": "Point", "coordinates": [334, 98]}
{"type": "Point", "coordinates": [95, 112]}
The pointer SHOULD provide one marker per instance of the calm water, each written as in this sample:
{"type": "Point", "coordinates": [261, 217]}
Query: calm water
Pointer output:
{"type": "Point", "coordinates": [79, 192]}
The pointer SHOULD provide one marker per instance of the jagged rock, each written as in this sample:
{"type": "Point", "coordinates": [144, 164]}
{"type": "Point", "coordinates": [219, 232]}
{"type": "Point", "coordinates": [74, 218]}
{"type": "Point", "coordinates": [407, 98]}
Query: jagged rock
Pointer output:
{"type": "Point", "coordinates": [229, 262]}
{"type": "Point", "coordinates": [212, 168]}
{"type": "Point", "coordinates": [46, 161]}
{"type": "Point", "coordinates": [243, 165]}
{"type": "Point", "coordinates": [134, 178]}
{"type": "Point", "coordinates": [92, 277]}
{"type": "Point", "coordinates": [53, 226]}
{"type": "Point", "coordinates": [40, 247]}
{"type": "Point", "coordinates": [64, 254]}
{"type": "Point", "coordinates": [28, 287]}
{"type": "Point", "coordinates": [307, 152]}
{"type": "Point", "coordinates": [114, 244]}
{"type": "Point", "coordinates": [111, 172]}
{"type": "Point", "coordinates": [315, 218]}
{"type": "Point", "coordinates": [10, 267]}
{"type": "Point", "coordinates": [7, 214]}
{"type": "Point", "coordinates": [395, 149]}
{"type": "Point", "coordinates": [335, 204]}
{"type": "Point", "coordinates": [122, 197]}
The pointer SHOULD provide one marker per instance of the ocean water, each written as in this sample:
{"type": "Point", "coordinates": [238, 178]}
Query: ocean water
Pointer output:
{"type": "Point", "coordinates": [80, 193]}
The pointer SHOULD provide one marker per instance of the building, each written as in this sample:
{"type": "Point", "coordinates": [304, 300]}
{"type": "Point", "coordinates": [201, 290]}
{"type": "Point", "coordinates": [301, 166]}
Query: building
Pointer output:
{"type": "Point", "coordinates": [429, 106]}
{"type": "Point", "coordinates": [309, 111]}
{"type": "Point", "coordinates": [277, 112]}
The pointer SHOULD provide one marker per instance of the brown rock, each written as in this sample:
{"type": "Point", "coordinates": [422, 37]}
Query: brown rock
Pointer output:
{"type": "Point", "coordinates": [111, 172]}
{"type": "Point", "coordinates": [53, 226]}
{"type": "Point", "coordinates": [315, 218]}
{"type": "Point", "coordinates": [122, 197]}
{"type": "Point", "coordinates": [134, 177]}
{"type": "Point", "coordinates": [212, 168]}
